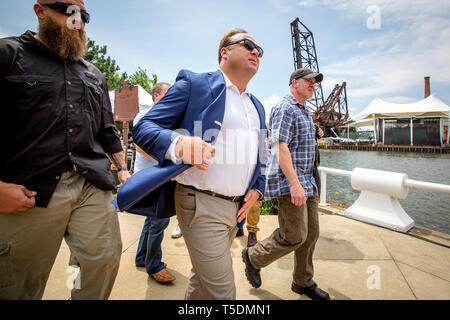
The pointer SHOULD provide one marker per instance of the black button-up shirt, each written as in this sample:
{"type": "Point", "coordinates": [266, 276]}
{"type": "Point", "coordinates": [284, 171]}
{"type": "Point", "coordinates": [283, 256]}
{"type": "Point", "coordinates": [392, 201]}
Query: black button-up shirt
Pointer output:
{"type": "Point", "coordinates": [55, 115]}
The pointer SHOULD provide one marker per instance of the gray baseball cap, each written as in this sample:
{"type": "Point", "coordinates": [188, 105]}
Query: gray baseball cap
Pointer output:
{"type": "Point", "coordinates": [305, 73]}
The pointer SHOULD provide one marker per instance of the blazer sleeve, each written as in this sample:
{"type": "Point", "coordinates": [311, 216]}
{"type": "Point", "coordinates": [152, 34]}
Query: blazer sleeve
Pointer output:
{"type": "Point", "coordinates": [260, 183]}
{"type": "Point", "coordinates": [155, 131]}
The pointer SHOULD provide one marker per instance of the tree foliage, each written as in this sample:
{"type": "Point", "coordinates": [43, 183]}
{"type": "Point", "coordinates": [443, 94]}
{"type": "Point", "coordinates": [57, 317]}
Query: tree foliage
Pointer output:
{"type": "Point", "coordinates": [142, 78]}
{"type": "Point", "coordinates": [97, 55]}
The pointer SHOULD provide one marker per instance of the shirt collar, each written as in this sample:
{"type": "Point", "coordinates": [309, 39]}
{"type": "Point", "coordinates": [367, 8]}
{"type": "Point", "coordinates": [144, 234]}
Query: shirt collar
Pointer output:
{"type": "Point", "coordinates": [229, 84]}
{"type": "Point", "coordinates": [292, 100]}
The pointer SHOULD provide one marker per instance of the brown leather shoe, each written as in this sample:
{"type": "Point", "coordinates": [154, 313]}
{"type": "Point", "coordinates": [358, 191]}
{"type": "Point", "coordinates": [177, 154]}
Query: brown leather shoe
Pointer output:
{"type": "Point", "coordinates": [251, 241]}
{"type": "Point", "coordinates": [163, 276]}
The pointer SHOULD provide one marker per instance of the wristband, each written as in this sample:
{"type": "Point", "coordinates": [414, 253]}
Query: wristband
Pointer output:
{"type": "Point", "coordinates": [122, 169]}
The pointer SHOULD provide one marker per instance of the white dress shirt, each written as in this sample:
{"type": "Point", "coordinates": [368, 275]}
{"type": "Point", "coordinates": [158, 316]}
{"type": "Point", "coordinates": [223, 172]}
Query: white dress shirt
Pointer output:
{"type": "Point", "coordinates": [236, 155]}
{"type": "Point", "coordinates": [141, 161]}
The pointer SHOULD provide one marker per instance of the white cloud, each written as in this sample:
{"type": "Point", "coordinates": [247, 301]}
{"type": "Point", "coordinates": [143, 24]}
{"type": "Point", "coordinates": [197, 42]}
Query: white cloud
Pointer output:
{"type": "Point", "coordinates": [412, 44]}
{"type": "Point", "coordinates": [280, 5]}
{"type": "Point", "coordinates": [3, 34]}
{"type": "Point", "coordinates": [269, 102]}
{"type": "Point", "coordinates": [404, 10]}
{"type": "Point", "coordinates": [304, 4]}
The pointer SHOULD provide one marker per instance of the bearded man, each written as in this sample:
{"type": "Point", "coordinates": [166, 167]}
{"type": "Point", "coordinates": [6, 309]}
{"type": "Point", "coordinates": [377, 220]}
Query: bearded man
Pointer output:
{"type": "Point", "coordinates": [55, 180]}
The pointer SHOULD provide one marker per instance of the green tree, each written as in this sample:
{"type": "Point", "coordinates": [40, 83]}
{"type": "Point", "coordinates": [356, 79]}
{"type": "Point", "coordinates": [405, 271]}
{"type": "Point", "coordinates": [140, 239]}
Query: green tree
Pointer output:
{"type": "Point", "coordinates": [97, 55]}
{"type": "Point", "coordinates": [142, 78]}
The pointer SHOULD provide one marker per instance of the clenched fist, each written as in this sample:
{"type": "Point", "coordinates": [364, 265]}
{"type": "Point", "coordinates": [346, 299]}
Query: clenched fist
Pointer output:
{"type": "Point", "coordinates": [15, 198]}
{"type": "Point", "coordinates": [195, 151]}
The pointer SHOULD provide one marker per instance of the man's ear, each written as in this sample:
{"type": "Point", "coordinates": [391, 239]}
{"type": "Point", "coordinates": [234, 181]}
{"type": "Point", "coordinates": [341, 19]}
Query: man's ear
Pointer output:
{"type": "Point", "coordinates": [224, 52]}
{"type": "Point", "coordinates": [39, 10]}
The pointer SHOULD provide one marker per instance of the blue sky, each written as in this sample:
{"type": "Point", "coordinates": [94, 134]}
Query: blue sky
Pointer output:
{"type": "Point", "coordinates": [386, 58]}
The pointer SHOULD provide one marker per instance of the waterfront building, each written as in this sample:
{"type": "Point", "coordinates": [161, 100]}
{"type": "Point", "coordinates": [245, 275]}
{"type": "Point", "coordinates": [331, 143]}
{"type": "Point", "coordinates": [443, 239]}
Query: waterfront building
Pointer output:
{"type": "Point", "coordinates": [424, 123]}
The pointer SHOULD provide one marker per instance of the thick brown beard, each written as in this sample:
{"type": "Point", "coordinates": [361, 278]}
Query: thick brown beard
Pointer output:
{"type": "Point", "coordinates": [61, 40]}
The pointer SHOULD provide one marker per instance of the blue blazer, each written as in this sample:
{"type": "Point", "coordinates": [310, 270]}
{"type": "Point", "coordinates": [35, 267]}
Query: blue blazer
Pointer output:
{"type": "Point", "coordinates": [194, 97]}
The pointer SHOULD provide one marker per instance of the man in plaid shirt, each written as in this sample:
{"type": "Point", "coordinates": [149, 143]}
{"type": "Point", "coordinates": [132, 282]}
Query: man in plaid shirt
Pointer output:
{"type": "Point", "coordinates": [289, 179]}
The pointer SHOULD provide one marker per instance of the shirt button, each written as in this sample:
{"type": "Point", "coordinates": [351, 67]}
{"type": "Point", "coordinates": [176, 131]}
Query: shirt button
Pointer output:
{"type": "Point", "coordinates": [70, 130]}
{"type": "Point", "coordinates": [71, 106]}
{"type": "Point", "coordinates": [69, 83]}
{"type": "Point", "coordinates": [57, 177]}
{"type": "Point", "coordinates": [70, 153]}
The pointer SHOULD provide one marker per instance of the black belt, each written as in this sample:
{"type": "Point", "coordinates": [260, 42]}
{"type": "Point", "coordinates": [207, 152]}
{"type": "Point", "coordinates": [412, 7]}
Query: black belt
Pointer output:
{"type": "Point", "coordinates": [214, 194]}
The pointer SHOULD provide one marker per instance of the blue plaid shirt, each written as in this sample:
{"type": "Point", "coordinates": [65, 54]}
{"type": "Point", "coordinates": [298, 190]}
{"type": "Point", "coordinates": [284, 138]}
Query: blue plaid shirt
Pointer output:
{"type": "Point", "coordinates": [291, 122]}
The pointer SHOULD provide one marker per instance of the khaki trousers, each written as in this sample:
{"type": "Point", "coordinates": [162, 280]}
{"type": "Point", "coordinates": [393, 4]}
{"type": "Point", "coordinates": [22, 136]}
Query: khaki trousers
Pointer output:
{"type": "Point", "coordinates": [253, 217]}
{"type": "Point", "coordinates": [29, 242]}
{"type": "Point", "coordinates": [298, 232]}
{"type": "Point", "coordinates": [209, 226]}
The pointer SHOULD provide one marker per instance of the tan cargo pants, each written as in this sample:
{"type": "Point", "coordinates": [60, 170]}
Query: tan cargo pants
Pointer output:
{"type": "Point", "coordinates": [253, 217]}
{"type": "Point", "coordinates": [29, 242]}
{"type": "Point", "coordinates": [298, 232]}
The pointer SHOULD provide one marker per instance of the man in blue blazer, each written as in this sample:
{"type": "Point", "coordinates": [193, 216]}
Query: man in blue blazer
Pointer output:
{"type": "Point", "coordinates": [208, 135]}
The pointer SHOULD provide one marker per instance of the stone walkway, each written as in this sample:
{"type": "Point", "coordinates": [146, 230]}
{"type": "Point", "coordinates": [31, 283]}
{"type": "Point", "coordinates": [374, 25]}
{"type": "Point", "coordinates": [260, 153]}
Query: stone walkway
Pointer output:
{"type": "Point", "coordinates": [353, 260]}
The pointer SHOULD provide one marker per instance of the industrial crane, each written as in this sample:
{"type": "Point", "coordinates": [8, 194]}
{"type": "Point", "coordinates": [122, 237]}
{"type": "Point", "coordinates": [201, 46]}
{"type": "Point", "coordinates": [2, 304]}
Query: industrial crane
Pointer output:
{"type": "Point", "coordinates": [332, 112]}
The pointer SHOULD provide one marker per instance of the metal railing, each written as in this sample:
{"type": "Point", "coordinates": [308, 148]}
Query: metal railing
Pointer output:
{"type": "Point", "coordinates": [413, 184]}
{"type": "Point", "coordinates": [380, 191]}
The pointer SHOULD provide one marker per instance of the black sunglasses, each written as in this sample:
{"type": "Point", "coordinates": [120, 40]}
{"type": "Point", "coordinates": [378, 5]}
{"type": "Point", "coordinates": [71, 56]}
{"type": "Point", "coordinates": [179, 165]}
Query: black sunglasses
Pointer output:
{"type": "Point", "coordinates": [67, 9]}
{"type": "Point", "coordinates": [249, 45]}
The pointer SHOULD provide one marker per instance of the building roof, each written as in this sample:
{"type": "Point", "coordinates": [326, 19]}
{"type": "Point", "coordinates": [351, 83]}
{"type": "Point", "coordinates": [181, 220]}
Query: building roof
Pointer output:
{"type": "Point", "coordinates": [429, 107]}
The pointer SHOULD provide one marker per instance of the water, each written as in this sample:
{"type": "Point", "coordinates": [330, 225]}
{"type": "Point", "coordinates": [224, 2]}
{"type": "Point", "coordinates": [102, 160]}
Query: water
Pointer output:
{"type": "Point", "coordinates": [427, 208]}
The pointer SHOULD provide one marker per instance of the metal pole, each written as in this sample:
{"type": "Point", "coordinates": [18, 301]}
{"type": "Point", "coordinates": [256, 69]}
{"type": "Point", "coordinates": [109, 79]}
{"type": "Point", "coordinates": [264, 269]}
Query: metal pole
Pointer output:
{"type": "Point", "coordinates": [427, 186]}
{"type": "Point", "coordinates": [448, 128]}
{"type": "Point", "coordinates": [412, 132]}
{"type": "Point", "coordinates": [375, 131]}
{"type": "Point", "coordinates": [125, 141]}
{"type": "Point", "coordinates": [323, 189]}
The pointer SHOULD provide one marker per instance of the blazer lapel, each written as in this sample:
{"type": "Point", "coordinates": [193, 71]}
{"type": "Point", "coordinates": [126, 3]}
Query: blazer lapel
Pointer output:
{"type": "Point", "coordinates": [212, 115]}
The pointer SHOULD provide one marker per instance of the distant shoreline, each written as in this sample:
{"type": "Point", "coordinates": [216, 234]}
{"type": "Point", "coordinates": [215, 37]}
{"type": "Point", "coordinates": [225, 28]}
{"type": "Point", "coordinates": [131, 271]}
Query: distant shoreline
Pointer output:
{"type": "Point", "coordinates": [387, 148]}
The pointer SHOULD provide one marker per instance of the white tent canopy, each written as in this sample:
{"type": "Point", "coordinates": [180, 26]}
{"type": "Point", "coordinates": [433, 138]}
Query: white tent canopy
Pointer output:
{"type": "Point", "coordinates": [429, 107]}
{"type": "Point", "coordinates": [145, 99]}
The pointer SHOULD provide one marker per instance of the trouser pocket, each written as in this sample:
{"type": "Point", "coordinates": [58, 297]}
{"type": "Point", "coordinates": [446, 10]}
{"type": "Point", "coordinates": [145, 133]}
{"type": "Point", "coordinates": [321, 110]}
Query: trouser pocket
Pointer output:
{"type": "Point", "coordinates": [185, 204]}
{"type": "Point", "coordinates": [6, 271]}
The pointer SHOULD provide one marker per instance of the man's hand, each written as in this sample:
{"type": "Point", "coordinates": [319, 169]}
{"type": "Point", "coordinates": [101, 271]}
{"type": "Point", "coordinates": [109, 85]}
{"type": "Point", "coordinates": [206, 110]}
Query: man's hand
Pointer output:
{"type": "Point", "coordinates": [320, 132]}
{"type": "Point", "coordinates": [249, 201]}
{"type": "Point", "coordinates": [15, 198]}
{"type": "Point", "coordinates": [123, 176]}
{"type": "Point", "coordinates": [297, 195]}
{"type": "Point", "coordinates": [195, 151]}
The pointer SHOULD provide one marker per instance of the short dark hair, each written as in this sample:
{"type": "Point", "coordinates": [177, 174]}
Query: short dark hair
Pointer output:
{"type": "Point", "coordinates": [158, 88]}
{"type": "Point", "coordinates": [226, 39]}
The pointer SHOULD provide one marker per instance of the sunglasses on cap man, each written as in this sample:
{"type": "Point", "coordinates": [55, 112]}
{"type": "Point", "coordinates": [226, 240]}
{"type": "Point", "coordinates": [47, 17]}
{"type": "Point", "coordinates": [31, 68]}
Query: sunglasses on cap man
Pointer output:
{"type": "Point", "coordinates": [67, 9]}
{"type": "Point", "coordinates": [249, 45]}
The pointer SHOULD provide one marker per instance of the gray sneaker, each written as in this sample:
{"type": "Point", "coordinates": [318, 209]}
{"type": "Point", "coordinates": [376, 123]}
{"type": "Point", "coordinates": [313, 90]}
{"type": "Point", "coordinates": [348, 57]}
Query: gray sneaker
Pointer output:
{"type": "Point", "coordinates": [176, 233]}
